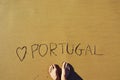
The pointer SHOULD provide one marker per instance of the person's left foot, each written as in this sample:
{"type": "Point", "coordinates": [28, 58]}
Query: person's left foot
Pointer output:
{"type": "Point", "coordinates": [65, 71]}
{"type": "Point", "coordinates": [54, 72]}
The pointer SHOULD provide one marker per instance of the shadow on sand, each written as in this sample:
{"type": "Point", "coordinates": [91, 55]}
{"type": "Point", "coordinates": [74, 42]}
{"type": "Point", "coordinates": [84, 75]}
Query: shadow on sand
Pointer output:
{"type": "Point", "coordinates": [73, 75]}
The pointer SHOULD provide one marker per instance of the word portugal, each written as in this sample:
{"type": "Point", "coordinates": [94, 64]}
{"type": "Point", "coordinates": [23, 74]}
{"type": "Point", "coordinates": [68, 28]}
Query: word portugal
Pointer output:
{"type": "Point", "coordinates": [54, 49]}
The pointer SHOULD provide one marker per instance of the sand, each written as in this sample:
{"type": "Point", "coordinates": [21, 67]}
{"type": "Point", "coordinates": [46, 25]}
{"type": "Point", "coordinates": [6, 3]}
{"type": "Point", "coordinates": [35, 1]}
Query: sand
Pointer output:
{"type": "Point", "coordinates": [89, 22]}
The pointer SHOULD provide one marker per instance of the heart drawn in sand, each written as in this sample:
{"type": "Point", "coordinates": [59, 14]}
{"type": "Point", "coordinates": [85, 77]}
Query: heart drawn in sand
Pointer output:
{"type": "Point", "coordinates": [21, 52]}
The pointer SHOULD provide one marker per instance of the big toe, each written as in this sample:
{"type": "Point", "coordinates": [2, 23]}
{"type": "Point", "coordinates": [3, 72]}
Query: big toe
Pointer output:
{"type": "Point", "coordinates": [65, 69]}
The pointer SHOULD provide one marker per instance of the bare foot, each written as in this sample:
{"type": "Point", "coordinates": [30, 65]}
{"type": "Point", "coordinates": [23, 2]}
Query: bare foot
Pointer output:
{"type": "Point", "coordinates": [53, 71]}
{"type": "Point", "coordinates": [65, 71]}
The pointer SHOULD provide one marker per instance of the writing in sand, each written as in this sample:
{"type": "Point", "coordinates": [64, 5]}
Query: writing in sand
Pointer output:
{"type": "Point", "coordinates": [54, 49]}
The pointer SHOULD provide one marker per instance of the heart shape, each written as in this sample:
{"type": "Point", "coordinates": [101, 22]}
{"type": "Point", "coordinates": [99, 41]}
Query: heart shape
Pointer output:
{"type": "Point", "coordinates": [21, 52]}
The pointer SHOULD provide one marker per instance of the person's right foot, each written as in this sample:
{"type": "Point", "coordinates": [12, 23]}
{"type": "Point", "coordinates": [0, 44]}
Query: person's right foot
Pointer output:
{"type": "Point", "coordinates": [65, 71]}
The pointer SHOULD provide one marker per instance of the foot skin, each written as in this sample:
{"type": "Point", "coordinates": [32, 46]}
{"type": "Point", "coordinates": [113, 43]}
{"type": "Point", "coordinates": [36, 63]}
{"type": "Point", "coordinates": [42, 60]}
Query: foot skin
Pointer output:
{"type": "Point", "coordinates": [65, 71]}
{"type": "Point", "coordinates": [53, 71]}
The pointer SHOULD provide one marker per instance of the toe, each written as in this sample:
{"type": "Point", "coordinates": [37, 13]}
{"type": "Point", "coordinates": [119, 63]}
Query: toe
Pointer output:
{"type": "Point", "coordinates": [50, 68]}
{"type": "Point", "coordinates": [64, 64]}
